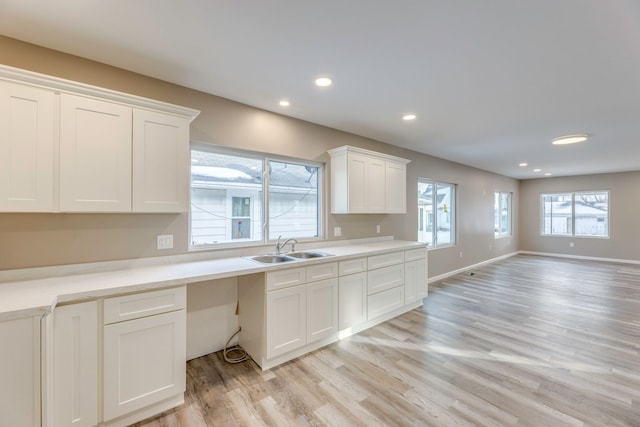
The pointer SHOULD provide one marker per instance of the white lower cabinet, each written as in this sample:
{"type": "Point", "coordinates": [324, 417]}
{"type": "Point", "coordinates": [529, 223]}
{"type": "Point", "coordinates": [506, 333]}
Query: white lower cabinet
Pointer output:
{"type": "Point", "coordinates": [288, 312]}
{"type": "Point", "coordinates": [144, 362]}
{"type": "Point", "coordinates": [300, 315]}
{"type": "Point", "coordinates": [140, 362]}
{"type": "Point", "coordinates": [384, 302]}
{"type": "Point", "coordinates": [322, 309]}
{"type": "Point", "coordinates": [352, 300]}
{"type": "Point", "coordinates": [20, 368]}
{"type": "Point", "coordinates": [75, 366]}
{"type": "Point", "coordinates": [286, 320]}
{"type": "Point", "coordinates": [385, 284]}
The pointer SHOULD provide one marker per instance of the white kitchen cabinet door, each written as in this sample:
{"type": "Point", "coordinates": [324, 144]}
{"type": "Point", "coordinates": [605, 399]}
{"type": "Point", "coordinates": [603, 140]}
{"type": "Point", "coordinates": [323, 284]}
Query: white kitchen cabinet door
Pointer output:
{"type": "Point", "coordinates": [396, 187]}
{"type": "Point", "coordinates": [286, 320]}
{"type": "Point", "coordinates": [322, 309]}
{"type": "Point", "coordinates": [366, 184]}
{"type": "Point", "coordinates": [144, 362]}
{"type": "Point", "coordinates": [376, 186]}
{"type": "Point", "coordinates": [415, 277]}
{"type": "Point", "coordinates": [95, 155]}
{"type": "Point", "coordinates": [76, 365]}
{"type": "Point", "coordinates": [352, 300]}
{"type": "Point", "coordinates": [20, 373]}
{"type": "Point", "coordinates": [160, 162]}
{"type": "Point", "coordinates": [26, 148]}
{"type": "Point", "coordinates": [357, 170]}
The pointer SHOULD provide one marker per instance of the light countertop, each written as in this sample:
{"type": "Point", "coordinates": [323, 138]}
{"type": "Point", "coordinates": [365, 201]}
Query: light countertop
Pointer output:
{"type": "Point", "coordinates": [37, 295]}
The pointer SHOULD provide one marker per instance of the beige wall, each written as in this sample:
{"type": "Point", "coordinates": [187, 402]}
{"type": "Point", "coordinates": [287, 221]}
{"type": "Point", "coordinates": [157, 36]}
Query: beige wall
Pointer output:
{"type": "Point", "coordinates": [624, 203]}
{"type": "Point", "coordinates": [29, 240]}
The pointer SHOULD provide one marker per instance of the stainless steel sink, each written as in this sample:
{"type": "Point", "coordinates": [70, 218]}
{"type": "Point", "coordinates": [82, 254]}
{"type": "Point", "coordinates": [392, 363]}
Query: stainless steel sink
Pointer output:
{"type": "Point", "coordinates": [307, 254]}
{"type": "Point", "coordinates": [272, 259]}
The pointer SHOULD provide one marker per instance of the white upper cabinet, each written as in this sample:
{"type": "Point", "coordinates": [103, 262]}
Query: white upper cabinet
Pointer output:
{"type": "Point", "coordinates": [95, 155]}
{"type": "Point", "coordinates": [26, 148]}
{"type": "Point", "coordinates": [396, 187]}
{"type": "Point", "coordinates": [70, 147]}
{"type": "Point", "coordinates": [160, 162]}
{"type": "Point", "coordinates": [364, 181]}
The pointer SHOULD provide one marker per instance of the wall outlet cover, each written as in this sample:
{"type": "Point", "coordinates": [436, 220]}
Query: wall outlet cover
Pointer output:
{"type": "Point", "coordinates": [165, 241]}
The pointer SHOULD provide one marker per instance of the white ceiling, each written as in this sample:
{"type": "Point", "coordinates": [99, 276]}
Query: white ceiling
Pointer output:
{"type": "Point", "coordinates": [492, 81]}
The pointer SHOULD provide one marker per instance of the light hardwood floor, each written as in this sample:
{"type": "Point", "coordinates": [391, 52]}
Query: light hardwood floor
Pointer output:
{"type": "Point", "coordinates": [527, 341]}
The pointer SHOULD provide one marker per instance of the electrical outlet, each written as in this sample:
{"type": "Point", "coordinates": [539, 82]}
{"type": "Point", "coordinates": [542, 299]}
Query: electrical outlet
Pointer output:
{"type": "Point", "coordinates": [460, 254]}
{"type": "Point", "coordinates": [490, 247]}
{"type": "Point", "coordinates": [378, 228]}
{"type": "Point", "coordinates": [165, 241]}
{"type": "Point", "coordinates": [337, 231]}
{"type": "Point", "coordinates": [570, 244]}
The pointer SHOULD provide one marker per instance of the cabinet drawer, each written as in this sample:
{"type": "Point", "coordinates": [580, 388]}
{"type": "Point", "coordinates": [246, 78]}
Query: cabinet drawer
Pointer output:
{"type": "Point", "coordinates": [145, 304]}
{"type": "Point", "coordinates": [385, 302]}
{"type": "Point", "coordinates": [352, 266]}
{"type": "Point", "coordinates": [322, 271]}
{"type": "Point", "coordinates": [384, 260]}
{"type": "Point", "coordinates": [415, 254]}
{"type": "Point", "coordinates": [385, 278]}
{"type": "Point", "coordinates": [285, 278]}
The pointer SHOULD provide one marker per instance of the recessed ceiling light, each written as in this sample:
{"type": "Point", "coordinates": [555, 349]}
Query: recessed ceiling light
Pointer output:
{"type": "Point", "coordinates": [537, 170]}
{"type": "Point", "coordinates": [284, 103]}
{"type": "Point", "coordinates": [409, 117]}
{"type": "Point", "coordinates": [548, 174]}
{"type": "Point", "coordinates": [523, 164]}
{"type": "Point", "coordinates": [569, 139]}
{"type": "Point", "coordinates": [323, 81]}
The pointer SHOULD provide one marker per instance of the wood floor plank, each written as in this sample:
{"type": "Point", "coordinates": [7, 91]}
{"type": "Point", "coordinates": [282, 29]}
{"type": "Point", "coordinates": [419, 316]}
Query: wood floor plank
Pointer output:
{"type": "Point", "coordinates": [526, 341]}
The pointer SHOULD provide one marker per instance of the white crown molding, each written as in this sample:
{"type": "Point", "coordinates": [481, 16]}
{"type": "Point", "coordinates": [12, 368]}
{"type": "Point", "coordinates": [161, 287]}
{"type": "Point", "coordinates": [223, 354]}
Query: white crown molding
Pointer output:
{"type": "Point", "coordinates": [348, 148]}
{"type": "Point", "coordinates": [57, 84]}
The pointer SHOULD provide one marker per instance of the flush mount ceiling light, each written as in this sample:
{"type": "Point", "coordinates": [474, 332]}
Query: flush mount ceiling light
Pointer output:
{"type": "Point", "coordinates": [537, 170]}
{"type": "Point", "coordinates": [408, 117]}
{"type": "Point", "coordinates": [523, 164]}
{"type": "Point", "coordinates": [284, 103]}
{"type": "Point", "coordinates": [548, 174]}
{"type": "Point", "coordinates": [323, 81]}
{"type": "Point", "coordinates": [569, 139]}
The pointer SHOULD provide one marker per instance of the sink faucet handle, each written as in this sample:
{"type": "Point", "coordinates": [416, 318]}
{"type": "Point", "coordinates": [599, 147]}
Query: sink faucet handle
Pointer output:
{"type": "Point", "coordinates": [278, 247]}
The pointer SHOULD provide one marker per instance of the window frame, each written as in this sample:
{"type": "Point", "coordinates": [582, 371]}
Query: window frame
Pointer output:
{"type": "Point", "coordinates": [509, 232]}
{"type": "Point", "coordinates": [433, 244]}
{"type": "Point", "coordinates": [265, 158]}
{"type": "Point", "coordinates": [572, 233]}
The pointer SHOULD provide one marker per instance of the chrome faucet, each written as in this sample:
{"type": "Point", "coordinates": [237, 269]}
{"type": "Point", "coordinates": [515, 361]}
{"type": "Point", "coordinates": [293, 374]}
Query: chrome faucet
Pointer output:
{"type": "Point", "coordinates": [279, 245]}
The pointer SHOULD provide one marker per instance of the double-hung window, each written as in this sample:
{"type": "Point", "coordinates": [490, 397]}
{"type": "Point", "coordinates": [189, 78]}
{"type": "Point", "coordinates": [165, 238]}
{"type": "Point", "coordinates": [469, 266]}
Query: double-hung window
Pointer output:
{"type": "Point", "coordinates": [246, 198]}
{"type": "Point", "coordinates": [436, 213]}
{"type": "Point", "coordinates": [502, 214]}
{"type": "Point", "coordinates": [580, 213]}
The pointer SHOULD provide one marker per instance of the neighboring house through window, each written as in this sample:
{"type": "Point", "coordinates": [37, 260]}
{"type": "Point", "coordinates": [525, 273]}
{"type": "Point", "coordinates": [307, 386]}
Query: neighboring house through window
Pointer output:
{"type": "Point", "coordinates": [436, 213]}
{"type": "Point", "coordinates": [239, 197]}
{"type": "Point", "coordinates": [580, 213]}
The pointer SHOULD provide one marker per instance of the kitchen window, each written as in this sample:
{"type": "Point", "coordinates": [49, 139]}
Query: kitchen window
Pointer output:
{"type": "Point", "coordinates": [502, 214]}
{"type": "Point", "coordinates": [246, 198]}
{"type": "Point", "coordinates": [436, 213]}
{"type": "Point", "coordinates": [580, 213]}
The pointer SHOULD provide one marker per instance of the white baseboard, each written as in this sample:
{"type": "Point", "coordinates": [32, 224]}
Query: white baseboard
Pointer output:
{"type": "Point", "coordinates": [469, 267]}
{"type": "Point", "coordinates": [581, 257]}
